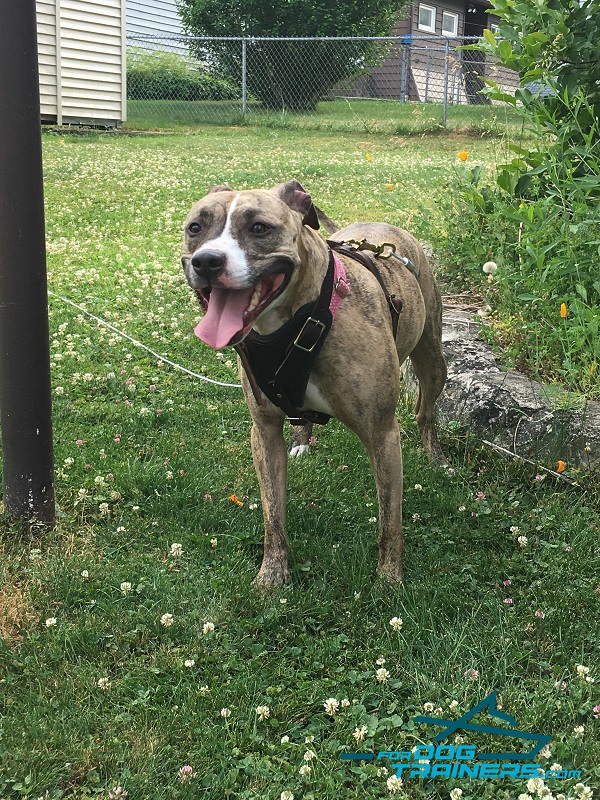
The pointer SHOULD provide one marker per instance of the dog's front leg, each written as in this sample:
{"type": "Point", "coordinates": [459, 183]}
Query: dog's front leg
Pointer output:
{"type": "Point", "coordinates": [269, 452]}
{"type": "Point", "coordinates": [386, 461]}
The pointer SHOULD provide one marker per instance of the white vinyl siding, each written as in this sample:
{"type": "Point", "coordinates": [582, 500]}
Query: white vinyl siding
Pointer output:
{"type": "Point", "coordinates": [88, 60]}
{"type": "Point", "coordinates": [153, 18]}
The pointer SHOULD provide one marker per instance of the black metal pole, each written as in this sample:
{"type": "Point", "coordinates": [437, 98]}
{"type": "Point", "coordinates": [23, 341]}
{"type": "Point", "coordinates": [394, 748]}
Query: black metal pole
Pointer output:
{"type": "Point", "coordinates": [25, 396]}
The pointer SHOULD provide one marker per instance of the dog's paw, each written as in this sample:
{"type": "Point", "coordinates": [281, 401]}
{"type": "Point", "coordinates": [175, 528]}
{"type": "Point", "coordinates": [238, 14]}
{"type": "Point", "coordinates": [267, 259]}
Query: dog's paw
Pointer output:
{"type": "Point", "coordinates": [299, 450]}
{"type": "Point", "coordinates": [390, 572]}
{"type": "Point", "coordinates": [270, 578]}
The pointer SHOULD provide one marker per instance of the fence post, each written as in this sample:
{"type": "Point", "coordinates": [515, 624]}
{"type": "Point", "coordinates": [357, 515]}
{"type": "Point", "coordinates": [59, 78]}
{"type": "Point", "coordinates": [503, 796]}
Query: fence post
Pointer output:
{"type": "Point", "coordinates": [244, 93]}
{"type": "Point", "coordinates": [446, 77]}
{"type": "Point", "coordinates": [25, 393]}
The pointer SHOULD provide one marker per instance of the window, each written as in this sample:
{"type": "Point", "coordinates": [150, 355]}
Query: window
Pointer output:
{"type": "Point", "coordinates": [426, 18]}
{"type": "Point", "coordinates": [449, 24]}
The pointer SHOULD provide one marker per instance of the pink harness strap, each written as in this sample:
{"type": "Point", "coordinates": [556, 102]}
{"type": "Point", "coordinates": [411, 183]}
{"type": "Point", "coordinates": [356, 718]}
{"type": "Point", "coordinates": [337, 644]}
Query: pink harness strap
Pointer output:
{"type": "Point", "coordinates": [341, 287]}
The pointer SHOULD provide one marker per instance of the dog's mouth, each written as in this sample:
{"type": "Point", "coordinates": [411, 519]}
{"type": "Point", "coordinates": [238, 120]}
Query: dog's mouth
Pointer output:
{"type": "Point", "coordinates": [229, 314]}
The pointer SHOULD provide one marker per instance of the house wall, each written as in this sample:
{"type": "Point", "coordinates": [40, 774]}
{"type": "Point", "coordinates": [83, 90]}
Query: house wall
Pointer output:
{"type": "Point", "coordinates": [152, 18]}
{"type": "Point", "coordinates": [81, 55]}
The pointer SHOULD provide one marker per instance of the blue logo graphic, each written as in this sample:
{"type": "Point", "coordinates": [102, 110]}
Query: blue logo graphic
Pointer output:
{"type": "Point", "coordinates": [439, 760]}
{"type": "Point", "coordinates": [489, 702]}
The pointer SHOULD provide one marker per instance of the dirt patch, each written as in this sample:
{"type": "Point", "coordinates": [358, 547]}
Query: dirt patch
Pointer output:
{"type": "Point", "coordinates": [17, 611]}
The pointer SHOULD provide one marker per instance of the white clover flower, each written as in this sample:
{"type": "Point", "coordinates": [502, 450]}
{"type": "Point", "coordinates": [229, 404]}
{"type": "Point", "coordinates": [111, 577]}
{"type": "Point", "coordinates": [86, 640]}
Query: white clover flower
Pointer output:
{"type": "Point", "coordinates": [51, 622]}
{"type": "Point", "coordinates": [176, 550]}
{"type": "Point", "coordinates": [345, 702]}
{"type": "Point", "coordinates": [382, 675]}
{"type": "Point", "coordinates": [103, 683]}
{"type": "Point", "coordinates": [99, 480]}
{"type": "Point", "coordinates": [60, 390]}
{"type": "Point", "coordinates": [125, 587]}
{"type": "Point", "coordinates": [582, 671]}
{"type": "Point", "coordinates": [166, 620]}
{"type": "Point", "coordinates": [453, 705]}
{"type": "Point", "coordinates": [189, 662]}
{"type": "Point", "coordinates": [579, 730]}
{"type": "Point", "coordinates": [85, 573]}
{"type": "Point", "coordinates": [396, 623]}
{"type": "Point", "coordinates": [394, 784]}
{"type": "Point", "coordinates": [522, 540]}
{"type": "Point", "coordinates": [208, 627]}
{"type": "Point", "coordinates": [372, 519]}
{"type": "Point", "coordinates": [35, 554]}
{"type": "Point", "coordinates": [225, 712]}
{"type": "Point", "coordinates": [331, 706]}
{"type": "Point", "coordinates": [213, 543]}
{"type": "Point", "coordinates": [263, 713]}
{"type": "Point", "coordinates": [309, 739]}
{"type": "Point", "coordinates": [305, 770]}
{"type": "Point", "coordinates": [418, 487]}
{"type": "Point", "coordinates": [514, 530]}
{"type": "Point", "coordinates": [428, 707]}
{"type": "Point", "coordinates": [309, 755]}
{"type": "Point", "coordinates": [360, 733]}
{"type": "Point", "coordinates": [535, 786]}
{"type": "Point", "coordinates": [380, 661]}
{"type": "Point", "coordinates": [455, 794]}
{"type": "Point", "coordinates": [285, 739]}
{"type": "Point", "coordinates": [545, 752]}
{"type": "Point", "coordinates": [204, 691]}
{"type": "Point", "coordinates": [104, 509]}
{"type": "Point", "coordinates": [524, 797]}
{"type": "Point", "coordinates": [286, 796]}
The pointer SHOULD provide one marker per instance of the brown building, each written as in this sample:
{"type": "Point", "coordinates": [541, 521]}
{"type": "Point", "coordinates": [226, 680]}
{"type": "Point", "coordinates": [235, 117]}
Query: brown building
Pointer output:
{"type": "Point", "coordinates": [425, 64]}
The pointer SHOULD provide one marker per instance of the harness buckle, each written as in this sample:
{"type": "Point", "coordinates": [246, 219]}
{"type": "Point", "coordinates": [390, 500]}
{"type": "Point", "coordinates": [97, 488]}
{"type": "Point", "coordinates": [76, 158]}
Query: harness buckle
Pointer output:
{"type": "Point", "coordinates": [320, 325]}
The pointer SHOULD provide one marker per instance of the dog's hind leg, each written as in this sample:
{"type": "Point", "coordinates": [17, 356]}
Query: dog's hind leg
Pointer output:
{"type": "Point", "coordinates": [430, 368]}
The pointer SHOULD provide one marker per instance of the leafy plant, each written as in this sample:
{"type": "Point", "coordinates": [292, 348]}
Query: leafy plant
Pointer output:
{"type": "Point", "coordinates": [161, 75]}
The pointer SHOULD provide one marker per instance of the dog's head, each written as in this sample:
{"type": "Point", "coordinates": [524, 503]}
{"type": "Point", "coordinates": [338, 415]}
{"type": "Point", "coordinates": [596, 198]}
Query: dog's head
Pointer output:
{"type": "Point", "coordinates": [240, 253]}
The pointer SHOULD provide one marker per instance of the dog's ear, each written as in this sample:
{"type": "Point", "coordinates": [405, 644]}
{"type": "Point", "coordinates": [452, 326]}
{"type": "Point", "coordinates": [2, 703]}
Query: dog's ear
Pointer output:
{"type": "Point", "coordinates": [219, 189]}
{"type": "Point", "coordinates": [294, 195]}
{"type": "Point", "coordinates": [298, 199]}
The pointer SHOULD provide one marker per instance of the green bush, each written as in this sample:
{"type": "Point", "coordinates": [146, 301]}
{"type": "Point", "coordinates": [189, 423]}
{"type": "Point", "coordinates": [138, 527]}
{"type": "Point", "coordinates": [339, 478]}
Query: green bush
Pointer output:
{"type": "Point", "coordinates": [539, 220]}
{"type": "Point", "coordinates": [160, 75]}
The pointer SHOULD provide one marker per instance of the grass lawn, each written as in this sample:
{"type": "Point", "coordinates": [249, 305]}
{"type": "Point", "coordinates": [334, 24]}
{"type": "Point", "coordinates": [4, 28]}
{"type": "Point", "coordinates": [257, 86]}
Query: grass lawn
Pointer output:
{"type": "Point", "coordinates": [132, 641]}
{"type": "Point", "coordinates": [355, 115]}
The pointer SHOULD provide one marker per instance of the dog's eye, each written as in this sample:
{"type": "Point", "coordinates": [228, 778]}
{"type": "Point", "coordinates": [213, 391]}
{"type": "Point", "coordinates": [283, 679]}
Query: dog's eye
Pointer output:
{"type": "Point", "coordinates": [259, 228]}
{"type": "Point", "coordinates": [194, 228]}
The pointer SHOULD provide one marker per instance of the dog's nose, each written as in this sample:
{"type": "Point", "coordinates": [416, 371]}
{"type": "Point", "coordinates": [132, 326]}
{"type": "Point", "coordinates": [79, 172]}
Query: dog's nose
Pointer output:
{"type": "Point", "coordinates": [208, 263]}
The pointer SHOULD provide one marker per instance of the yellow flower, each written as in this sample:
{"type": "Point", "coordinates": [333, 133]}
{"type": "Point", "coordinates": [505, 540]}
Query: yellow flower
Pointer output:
{"type": "Point", "coordinates": [235, 499]}
{"type": "Point", "coordinates": [563, 310]}
{"type": "Point", "coordinates": [561, 466]}
{"type": "Point", "coordinates": [390, 187]}
{"type": "Point", "coordinates": [463, 155]}
{"type": "Point", "coordinates": [368, 156]}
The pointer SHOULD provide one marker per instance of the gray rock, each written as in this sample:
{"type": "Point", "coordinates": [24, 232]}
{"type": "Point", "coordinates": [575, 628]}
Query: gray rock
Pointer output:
{"type": "Point", "coordinates": [509, 409]}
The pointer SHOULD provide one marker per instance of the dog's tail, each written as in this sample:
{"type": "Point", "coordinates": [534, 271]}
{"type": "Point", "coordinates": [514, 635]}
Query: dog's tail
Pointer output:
{"type": "Point", "coordinates": [329, 225]}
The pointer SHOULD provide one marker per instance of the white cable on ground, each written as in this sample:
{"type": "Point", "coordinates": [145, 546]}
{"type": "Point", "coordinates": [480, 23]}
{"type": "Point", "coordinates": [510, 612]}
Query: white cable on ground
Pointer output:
{"type": "Point", "coordinates": [144, 347]}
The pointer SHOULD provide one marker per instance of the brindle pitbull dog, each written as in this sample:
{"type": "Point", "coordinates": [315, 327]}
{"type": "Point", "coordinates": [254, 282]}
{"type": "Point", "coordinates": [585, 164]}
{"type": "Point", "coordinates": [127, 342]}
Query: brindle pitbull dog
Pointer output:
{"type": "Point", "coordinates": [249, 255]}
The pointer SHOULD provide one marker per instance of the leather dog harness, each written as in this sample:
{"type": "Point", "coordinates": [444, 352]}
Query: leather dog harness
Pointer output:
{"type": "Point", "coordinates": [280, 364]}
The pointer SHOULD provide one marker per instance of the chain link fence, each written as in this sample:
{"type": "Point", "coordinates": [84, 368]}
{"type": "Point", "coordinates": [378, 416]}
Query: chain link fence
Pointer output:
{"type": "Point", "coordinates": [392, 84]}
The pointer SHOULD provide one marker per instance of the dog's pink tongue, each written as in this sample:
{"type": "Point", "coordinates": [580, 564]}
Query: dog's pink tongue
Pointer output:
{"type": "Point", "coordinates": [224, 316]}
